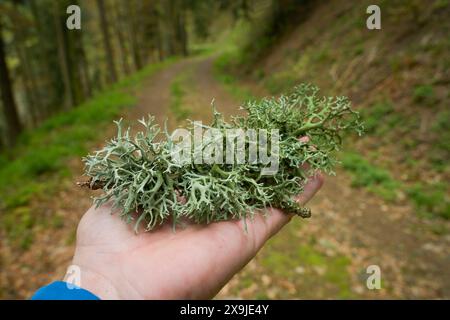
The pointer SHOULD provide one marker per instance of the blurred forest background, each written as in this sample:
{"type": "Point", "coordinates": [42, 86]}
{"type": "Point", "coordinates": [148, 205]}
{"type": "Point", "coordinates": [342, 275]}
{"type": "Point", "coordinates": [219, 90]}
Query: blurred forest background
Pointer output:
{"type": "Point", "coordinates": [389, 204]}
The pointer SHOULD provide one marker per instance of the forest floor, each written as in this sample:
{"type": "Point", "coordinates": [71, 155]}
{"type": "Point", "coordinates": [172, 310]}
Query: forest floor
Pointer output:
{"type": "Point", "coordinates": [325, 256]}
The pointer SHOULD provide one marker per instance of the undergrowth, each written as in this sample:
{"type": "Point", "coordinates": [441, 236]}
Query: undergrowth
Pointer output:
{"type": "Point", "coordinates": [177, 93]}
{"type": "Point", "coordinates": [29, 170]}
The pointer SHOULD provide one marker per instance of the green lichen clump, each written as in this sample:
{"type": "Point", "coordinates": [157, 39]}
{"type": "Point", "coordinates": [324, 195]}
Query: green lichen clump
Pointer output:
{"type": "Point", "coordinates": [140, 176]}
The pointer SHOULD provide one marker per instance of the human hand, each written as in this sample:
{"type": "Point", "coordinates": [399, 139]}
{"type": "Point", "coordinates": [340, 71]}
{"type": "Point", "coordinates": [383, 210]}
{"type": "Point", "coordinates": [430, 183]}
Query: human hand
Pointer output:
{"type": "Point", "coordinates": [194, 262]}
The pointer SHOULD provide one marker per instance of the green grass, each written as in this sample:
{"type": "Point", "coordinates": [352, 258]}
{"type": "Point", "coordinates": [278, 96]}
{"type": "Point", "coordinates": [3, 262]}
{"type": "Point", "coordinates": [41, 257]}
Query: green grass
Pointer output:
{"type": "Point", "coordinates": [46, 149]}
{"type": "Point", "coordinates": [33, 168]}
{"type": "Point", "coordinates": [373, 178]}
{"type": "Point", "coordinates": [223, 74]}
{"type": "Point", "coordinates": [440, 151]}
{"type": "Point", "coordinates": [431, 201]}
{"type": "Point", "coordinates": [424, 94]}
{"type": "Point", "coordinates": [177, 93]}
{"type": "Point", "coordinates": [380, 118]}
{"type": "Point", "coordinates": [283, 257]}
{"type": "Point", "coordinates": [375, 114]}
{"type": "Point", "coordinates": [284, 254]}
{"type": "Point", "coordinates": [18, 224]}
{"type": "Point", "coordinates": [280, 82]}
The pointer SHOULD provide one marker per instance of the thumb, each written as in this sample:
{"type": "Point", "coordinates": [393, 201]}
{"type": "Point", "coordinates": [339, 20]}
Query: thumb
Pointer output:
{"type": "Point", "coordinates": [262, 227]}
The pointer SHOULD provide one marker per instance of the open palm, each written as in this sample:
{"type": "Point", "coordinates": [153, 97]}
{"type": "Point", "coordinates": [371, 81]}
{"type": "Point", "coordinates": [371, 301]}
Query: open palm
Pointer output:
{"type": "Point", "coordinates": [194, 262]}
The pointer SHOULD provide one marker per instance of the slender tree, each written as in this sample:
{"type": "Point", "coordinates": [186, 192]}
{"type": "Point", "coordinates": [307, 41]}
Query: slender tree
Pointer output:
{"type": "Point", "coordinates": [148, 30]}
{"type": "Point", "coordinates": [118, 29]}
{"type": "Point", "coordinates": [13, 126]}
{"type": "Point", "coordinates": [109, 53]}
{"type": "Point", "coordinates": [63, 56]}
{"type": "Point", "coordinates": [132, 33]}
{"type": "Point", "coordinates": [84, 71]}
{"type": "Point", "coordinates": [172, 27]}
{"type": "Point", "coordinates": [45, 57]}
{"type": "Point", "coordinates": [21, 25]}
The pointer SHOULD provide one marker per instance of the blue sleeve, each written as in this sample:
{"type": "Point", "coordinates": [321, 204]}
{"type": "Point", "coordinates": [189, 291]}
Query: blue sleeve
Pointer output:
{"type": "Point", "coordinates": [60, 290]}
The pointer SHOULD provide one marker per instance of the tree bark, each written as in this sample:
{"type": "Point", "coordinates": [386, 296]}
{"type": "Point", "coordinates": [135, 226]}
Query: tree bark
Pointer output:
{"type": "Point", "coordinates": [109, 53]}
{"type": "Point", "coordinates": [13, 126]}
{"type": "Point", "coordinates": [133, 36]}
{"type": "Point", "coordinates": [84, 71]}
{"type": "Point", "coordinates": [63, 57]}
{"type": "Point", "coordinates": [26, 71]}
{"type": "Point", "coordinates": [122, 43]}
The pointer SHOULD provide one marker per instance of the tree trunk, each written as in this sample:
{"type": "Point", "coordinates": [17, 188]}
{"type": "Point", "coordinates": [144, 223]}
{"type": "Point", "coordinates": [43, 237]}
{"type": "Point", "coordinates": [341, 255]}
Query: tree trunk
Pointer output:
{"type": "Point", "coordinates": [28, 83]}
{"type": "Point", "coordinates": [39, 53]}
{"type": "Point", "coordinates": [132, 34]}
{"type": "Point", "coordinates": [13, 126]}
{"type": "Point", "coordinates": [84, 71]}
{"type": "Point", "coordinates": [121, 38]}
{"type": "Point", "coordinates": [172, 28]}
{"type": "Point", "coordinates": [26, 71]}
{"type": "Point", "coordinates": [63, 57]}
{"type": "Point", "coordinates": [109, 54]}
{"type": "Point", "coordinates": [181, 33]}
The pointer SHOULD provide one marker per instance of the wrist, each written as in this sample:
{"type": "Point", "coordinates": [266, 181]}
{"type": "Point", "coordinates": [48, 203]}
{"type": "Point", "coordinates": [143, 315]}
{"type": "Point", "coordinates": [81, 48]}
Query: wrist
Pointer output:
{"type": "Point", "coordinates": [91, 281]}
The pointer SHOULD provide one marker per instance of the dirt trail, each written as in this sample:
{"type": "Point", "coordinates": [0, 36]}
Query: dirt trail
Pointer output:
{"type": "Point", "coordinates": [346, 222]}
{"type": "Point", "coordinates": [154, 95]}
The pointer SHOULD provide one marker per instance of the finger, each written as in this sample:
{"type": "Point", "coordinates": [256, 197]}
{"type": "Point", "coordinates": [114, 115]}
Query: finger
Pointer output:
{"type": "Point", "coordinates": [304, 139]}
{"type": "Point", "coordinates": [262, 228]}
{"type": "Point", "coordinates": [247, 236]}
{"type": "Point", "coordinates": [312, 186]}
{"type": "Point", "coordinates": [314, 183]}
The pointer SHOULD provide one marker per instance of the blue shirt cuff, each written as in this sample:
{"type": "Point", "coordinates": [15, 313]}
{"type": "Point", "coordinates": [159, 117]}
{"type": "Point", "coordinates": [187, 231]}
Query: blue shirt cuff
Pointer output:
{"type": "Point", "coordinates": [60, 290]}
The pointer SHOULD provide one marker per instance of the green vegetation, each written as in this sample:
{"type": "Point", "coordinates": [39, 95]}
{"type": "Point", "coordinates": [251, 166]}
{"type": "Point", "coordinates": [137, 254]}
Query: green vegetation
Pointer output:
{"type": "Point", "coordinates": [277, 82]}
{"type": "Point", "coordinates": [222, 73]}
{"type": "Point", "coordinates": [441, 147]}
{"type": "Point", "coordinates": [177, 93]}
{"type": "Point", "coordinates": [333, 270]}
{"type": "Point", "coordinates": [431, 200]}
{"type": "Point", "coordinates": [18, 225]}
{"type": "Point", "coordinates": [375, 114]}
{"type": "Point", "coordinates": [305, 265]}
{"type": "Point", "coordinates": [34, 167]}
{"type": "Point", "coordinates": [424, 94]}
{"type": "Point", "coordinates": [376, 180]}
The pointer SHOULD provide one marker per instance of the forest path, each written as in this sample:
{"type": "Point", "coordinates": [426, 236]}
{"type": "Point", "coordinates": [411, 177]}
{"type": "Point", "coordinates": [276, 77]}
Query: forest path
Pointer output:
{"type": "Point", "coordinates": [322, 257]}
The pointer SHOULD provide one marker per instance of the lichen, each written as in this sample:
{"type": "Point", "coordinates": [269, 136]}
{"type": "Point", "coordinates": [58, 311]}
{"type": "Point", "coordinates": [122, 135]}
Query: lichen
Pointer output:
{"type": "Point", "coordinates": [140, 176]}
